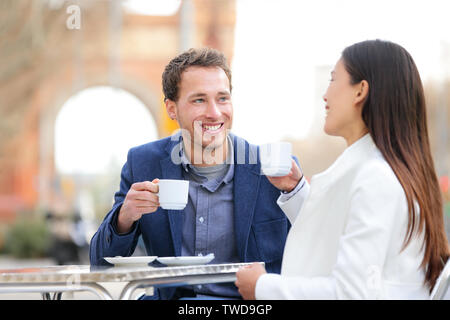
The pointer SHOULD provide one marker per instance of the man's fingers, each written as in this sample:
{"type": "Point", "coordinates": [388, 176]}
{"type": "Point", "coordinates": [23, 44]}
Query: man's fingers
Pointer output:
{"type": "Point", "coordinates": [144, 196]}
{"type": "Point", "coordinates": [147, 209]}
{"type": "Point", "coordinates": [143, 199]}
{"type": "Point", "coordinates": [140, 203]}
{"type": "Point", "coordinates": [145, 186]}
{"type": "Point", "coordinates": [141, 186]}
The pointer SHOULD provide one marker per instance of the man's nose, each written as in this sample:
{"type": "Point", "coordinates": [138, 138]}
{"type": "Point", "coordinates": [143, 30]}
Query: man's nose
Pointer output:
{"type": "Point", "coordinates": [213, 110]}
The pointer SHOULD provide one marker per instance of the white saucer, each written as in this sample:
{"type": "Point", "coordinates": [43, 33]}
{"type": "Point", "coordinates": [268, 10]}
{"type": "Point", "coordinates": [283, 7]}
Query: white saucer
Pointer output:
{"type": "Point", "coordinates": [130, 261]}
{"type": "Point", "coordinates": [186, 261]}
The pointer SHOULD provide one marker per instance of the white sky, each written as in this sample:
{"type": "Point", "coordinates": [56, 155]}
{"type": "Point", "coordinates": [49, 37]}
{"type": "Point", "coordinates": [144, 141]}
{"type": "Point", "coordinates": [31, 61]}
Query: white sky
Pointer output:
{"type": "Point", "coordinates": [96, 127]}
{"type": "Point", "coordinates": [280, 43]}
{"type": "Point", "coordinates": [279, 46]}
{"type": "Point", "coordinates": [152, 7]}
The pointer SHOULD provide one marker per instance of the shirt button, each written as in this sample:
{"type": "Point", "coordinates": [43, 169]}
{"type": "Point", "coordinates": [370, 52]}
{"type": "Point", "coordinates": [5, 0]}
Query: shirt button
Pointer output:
{"type": "Point", "coordinates": [201, 219]}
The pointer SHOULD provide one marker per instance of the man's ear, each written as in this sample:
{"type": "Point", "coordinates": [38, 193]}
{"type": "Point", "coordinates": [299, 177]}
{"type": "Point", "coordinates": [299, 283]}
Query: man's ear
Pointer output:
{"type": "Point", "coordinates": [362, 92]}
{"type": "Point", "coordinates": [171, 108]}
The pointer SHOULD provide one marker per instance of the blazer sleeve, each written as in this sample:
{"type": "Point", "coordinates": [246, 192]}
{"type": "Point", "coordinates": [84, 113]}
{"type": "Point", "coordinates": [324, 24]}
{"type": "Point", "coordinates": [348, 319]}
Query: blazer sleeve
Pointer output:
{"type": "Point", "coordinates": [377, 202]}
{"type": "Point", "coordinates": [107, 242]}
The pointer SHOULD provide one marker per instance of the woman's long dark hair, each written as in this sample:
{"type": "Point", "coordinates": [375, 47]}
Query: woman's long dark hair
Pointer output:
{"type": "Point", "coordinates": [395, 116]}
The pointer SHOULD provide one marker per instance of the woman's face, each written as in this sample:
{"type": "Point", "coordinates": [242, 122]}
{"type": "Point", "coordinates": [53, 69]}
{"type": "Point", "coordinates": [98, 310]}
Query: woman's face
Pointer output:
{"type": "Point", "coordinates": [343, 104]}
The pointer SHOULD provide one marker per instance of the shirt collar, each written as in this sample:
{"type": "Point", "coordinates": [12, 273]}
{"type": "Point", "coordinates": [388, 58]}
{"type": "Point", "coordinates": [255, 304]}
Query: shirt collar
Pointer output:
{"type": "Point", "coordinates": [230, 160]}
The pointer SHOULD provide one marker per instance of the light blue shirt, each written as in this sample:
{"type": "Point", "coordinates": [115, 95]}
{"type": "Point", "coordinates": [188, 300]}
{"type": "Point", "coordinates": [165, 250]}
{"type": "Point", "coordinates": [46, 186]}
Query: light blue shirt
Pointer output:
{"type": "Point", "coordinates": [208, 225]}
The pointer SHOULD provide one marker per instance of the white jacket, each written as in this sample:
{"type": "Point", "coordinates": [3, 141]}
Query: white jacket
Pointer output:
{"type": "Point", "coordinates": [348, 228]}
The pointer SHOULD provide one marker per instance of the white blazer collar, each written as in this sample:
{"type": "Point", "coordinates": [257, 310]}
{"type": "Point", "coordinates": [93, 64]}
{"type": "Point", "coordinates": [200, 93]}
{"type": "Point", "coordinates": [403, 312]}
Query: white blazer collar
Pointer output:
{"type": "Point", "coordinates": [355, 153]}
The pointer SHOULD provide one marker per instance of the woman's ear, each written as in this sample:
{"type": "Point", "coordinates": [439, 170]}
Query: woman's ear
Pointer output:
{"type": "Point", "coordinates": [362, 92]}
{"type": "Point", "coordinates": [171, 108]}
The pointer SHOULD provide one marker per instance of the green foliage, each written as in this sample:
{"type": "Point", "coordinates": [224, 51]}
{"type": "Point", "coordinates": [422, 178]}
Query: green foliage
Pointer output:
{"type": "Point", "coordinates": [28, 237]}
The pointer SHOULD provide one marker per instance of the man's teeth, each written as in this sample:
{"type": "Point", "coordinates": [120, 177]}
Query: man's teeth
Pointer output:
{"type": "Point", "coordinates": [212, 128]}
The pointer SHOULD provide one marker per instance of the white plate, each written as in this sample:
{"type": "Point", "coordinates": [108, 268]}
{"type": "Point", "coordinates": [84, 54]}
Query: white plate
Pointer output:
{"type": "Point", "coordinates": [130, 261]}
{"type": "Point", "coordinates": [186, 261]}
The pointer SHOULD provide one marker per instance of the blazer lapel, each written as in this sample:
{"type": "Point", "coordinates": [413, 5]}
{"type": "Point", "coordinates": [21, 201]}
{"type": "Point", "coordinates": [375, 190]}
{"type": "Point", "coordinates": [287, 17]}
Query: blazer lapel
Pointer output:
{"type": "Point", "coordinates": [246, 188]}
{"type": "Point", "coordinates": [170, 170]}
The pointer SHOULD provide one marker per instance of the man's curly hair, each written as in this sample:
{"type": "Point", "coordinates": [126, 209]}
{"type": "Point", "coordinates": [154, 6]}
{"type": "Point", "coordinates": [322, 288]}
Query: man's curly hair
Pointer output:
{"type": "Point", "coordinates": [204, 57]}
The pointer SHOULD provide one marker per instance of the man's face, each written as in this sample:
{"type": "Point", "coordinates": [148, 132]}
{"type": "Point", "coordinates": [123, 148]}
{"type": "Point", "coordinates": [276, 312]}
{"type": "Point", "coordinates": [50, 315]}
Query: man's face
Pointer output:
{"type": "Point", "coordinates": [204, 107]}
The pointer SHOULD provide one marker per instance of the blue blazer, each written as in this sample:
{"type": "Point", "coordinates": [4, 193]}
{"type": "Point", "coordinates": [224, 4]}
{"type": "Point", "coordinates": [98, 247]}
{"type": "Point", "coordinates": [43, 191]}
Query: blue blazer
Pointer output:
{"type": "Point", "coordinates": [260, 226]}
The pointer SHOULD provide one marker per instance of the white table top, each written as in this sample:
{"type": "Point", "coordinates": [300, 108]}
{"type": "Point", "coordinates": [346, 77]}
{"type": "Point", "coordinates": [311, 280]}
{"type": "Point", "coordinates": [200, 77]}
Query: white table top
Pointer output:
{"type": "Point", "coordinates": [85, 273]}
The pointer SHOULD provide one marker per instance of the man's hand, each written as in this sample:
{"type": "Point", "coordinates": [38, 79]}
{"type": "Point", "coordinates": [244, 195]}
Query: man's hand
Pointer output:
{"type": "Point", "coordinates": [246, 279]}
{"type": "Point", "coordinates": [289, 182]}
{"type": "Point", "coordinates": [140, 199]}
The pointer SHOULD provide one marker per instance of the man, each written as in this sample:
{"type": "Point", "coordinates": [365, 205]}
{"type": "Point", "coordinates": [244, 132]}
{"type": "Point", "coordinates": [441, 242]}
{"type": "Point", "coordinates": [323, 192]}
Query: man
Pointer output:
{"type": "Point", "coordinates": [231, 210]}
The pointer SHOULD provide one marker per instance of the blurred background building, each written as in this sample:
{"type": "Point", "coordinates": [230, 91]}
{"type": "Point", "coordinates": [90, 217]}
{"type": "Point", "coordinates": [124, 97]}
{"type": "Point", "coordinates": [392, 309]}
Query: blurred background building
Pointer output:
{"type": "Point", "coordinates": [80, 84]}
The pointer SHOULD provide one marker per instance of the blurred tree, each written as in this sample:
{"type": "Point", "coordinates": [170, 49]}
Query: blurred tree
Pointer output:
{"type": "Point", "coordinates": [28, 237]}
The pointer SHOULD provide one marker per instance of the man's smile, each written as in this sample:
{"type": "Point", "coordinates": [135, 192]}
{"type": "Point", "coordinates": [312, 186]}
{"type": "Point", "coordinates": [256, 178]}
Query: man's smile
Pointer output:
{"type": "Point", "coordinates": [212, 128]}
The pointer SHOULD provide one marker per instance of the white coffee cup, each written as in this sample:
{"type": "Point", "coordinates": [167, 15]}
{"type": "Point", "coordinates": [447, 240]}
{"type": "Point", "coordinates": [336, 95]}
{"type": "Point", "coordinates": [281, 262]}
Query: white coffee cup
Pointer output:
{"type": "Point", "coordinates": [276, 159]}
{"type": "Point", "coordinates": [173, 194]}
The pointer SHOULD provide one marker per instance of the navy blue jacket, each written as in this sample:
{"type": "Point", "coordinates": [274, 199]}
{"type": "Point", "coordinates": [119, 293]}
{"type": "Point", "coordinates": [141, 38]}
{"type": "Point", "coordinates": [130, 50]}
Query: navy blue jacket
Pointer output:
{"type": "Point", "coordinates": [260, 225]}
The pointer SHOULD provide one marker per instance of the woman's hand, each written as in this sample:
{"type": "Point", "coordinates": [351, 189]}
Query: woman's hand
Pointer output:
{"type": "Point", "coordinates": [289, 182]}
{"type": "Point", "coordinates": [246, 279]}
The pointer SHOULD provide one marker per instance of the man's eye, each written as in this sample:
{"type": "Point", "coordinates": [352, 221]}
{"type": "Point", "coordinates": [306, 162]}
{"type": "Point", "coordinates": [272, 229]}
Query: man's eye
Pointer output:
{"type": "Point", "coordinates": [223, 99]}
{"type": "Point", "coordinates": [199, 100]}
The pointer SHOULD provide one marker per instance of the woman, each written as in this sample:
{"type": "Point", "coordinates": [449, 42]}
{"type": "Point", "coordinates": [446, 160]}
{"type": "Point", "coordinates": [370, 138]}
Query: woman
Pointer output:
{"type": "Point", "coordinates": [370, 226]}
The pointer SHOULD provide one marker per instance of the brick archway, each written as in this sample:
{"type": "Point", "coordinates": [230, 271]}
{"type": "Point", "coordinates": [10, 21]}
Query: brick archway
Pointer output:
{"type": "Point", "coordinates": [51, 104]}
{"type": "Point", "coordinates": [48, 63]}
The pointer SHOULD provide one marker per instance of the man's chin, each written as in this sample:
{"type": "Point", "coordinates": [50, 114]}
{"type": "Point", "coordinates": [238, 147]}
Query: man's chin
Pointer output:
{"type": "Point", "coordinates": [214, 142]}
{"type": "Point", "coordinates": [210, 145]}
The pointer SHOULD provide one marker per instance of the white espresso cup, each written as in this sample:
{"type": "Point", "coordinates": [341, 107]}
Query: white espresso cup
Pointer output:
{"type": "Point", "coordinates": [276, 159]}
{"type": "Point", "coordinates": [173, 194]}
